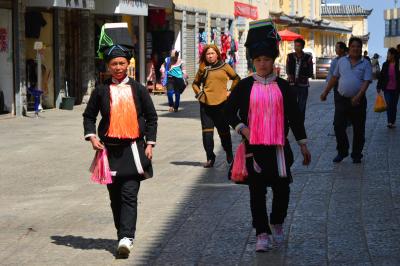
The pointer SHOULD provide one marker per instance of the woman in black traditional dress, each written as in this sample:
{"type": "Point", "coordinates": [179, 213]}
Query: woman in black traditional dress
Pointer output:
{"type": "Point", "coordinates": [261, 109]}
{"type": "Point", "coordinates": [127, 130]}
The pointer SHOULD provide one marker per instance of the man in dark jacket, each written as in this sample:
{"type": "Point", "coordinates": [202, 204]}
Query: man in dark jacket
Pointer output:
{"type": "Point", "coordinates": [299, 68]}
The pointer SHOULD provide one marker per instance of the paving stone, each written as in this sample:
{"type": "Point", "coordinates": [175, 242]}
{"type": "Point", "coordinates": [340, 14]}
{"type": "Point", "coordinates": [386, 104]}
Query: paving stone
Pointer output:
{"type": "Point", "coordinates": [339, 214]}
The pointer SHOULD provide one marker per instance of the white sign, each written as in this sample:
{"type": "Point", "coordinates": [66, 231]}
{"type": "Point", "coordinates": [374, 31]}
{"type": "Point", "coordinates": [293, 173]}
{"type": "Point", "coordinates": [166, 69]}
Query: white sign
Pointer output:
{"type": "Point", "coordinates": [125, 7]}
{"type": "Point", "coordinates": [74, 4]}
{"type": "Point", "coordinates": [38, 46]}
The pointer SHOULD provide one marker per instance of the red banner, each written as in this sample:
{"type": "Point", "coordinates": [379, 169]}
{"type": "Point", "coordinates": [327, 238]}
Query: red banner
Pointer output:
{"type": "Point", "coordinates": [246, 10]}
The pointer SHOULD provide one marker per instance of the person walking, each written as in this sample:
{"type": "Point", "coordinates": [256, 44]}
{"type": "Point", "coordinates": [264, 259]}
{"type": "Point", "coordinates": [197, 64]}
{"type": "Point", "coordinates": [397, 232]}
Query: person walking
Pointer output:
{"type": "Point", "coordinates": [366, 56]}
{"type": "Point", "coordinates": [340, 49]}
{"type": "Point", "coordinates": [174, 76]}
{"type": "Point", "coordinates": [261, 109]}
{"type": "Point", "coordinates": [299, 68]}
{"type": "Point", "coordinates": [353, 74]}
{"type": "Point", "coordinates": [127, 131]}
{"type": "Point", "coordinates": [376, 69]}
{"type": "Point", "coordinates": [389, 83]}
{"type": "Point", "coordinates": [211, 89]}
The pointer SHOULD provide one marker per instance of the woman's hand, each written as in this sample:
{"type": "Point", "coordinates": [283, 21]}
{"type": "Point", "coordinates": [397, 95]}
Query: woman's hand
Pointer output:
{"type": "Point", "coordinates": [149, 151]}
{"type": "Point", "coordinates": [96, 144]}
{"type": "Point", "coordinates": [246, 133]}
{"type": "Point", "coordinates": [306, 154]}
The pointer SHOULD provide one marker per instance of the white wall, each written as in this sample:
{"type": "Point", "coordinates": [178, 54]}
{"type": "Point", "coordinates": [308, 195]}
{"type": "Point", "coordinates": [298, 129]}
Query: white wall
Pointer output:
{"type": "Point", "coordinates": [6, 61]}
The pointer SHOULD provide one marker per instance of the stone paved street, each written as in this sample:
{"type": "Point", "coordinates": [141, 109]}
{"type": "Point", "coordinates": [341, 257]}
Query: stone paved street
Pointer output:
{"type": "Point", "coordinates": [51, 214]}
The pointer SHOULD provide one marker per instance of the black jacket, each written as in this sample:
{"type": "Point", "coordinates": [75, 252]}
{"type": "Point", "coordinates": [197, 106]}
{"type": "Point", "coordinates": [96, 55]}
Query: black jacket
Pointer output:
{"type": "Point", "coordinates": [237, 108]}
{"type": "Point", "coordinates": [100, 102]}
{"type": "Point", "coordinates": [384, 76]}
{"type": "Point", "coordinates": [306, 68]}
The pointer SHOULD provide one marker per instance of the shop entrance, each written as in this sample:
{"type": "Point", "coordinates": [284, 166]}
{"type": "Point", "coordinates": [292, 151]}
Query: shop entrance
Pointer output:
{"type": "Point", "coordinates": [39, 28]}
{"type": "Point", "coordinates": [73, 67]}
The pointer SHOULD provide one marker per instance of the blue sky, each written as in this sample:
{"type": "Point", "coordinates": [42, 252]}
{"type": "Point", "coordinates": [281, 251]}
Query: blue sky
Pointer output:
{"type": "Point", "coordinates": [376, 23]}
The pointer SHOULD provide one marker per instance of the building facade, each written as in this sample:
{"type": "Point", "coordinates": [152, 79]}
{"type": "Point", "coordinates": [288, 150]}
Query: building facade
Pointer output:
{"type": "Point", "coordinates": [392, 27]}
{"type": "Point", "coordinates": [353, 16]}
{"type": "Point", "coordinates": [69, 32]}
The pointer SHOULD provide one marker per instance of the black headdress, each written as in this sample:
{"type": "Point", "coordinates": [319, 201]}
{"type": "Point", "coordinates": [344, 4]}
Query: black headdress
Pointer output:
{"type": "Point", "coordinates": [115, 41]}
{"type": "Point", "coordinates": [262, 39]}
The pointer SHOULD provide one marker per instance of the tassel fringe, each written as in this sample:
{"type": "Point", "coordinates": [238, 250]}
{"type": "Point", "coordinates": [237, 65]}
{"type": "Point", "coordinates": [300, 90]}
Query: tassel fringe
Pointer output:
{"type": "Point", "coordinates": [123, 116]}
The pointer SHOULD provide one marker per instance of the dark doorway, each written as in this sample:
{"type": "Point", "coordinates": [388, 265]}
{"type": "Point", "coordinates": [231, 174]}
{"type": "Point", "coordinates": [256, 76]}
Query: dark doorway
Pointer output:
{"type": "Point", "coordinates": [73, 55]}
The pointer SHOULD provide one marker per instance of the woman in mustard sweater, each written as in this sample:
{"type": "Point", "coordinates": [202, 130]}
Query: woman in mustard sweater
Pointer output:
{"type": "Point", "coordinates": [211, 88]}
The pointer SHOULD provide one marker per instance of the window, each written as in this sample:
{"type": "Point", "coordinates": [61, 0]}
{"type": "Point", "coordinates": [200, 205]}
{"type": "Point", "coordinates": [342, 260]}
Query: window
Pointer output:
{"type": "Point", "coordinates": [393, 31]}
{"type": "Point", "coordinates": [387, 28]}
{"type": "Point", "coordinates": [397, 33]}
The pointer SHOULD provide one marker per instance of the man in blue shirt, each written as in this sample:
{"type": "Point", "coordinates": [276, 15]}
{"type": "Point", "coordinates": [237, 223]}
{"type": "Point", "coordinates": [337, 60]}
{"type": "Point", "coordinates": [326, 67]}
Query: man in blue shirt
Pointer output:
{"type": "Point", "coordinates": [340, 50]}
{"type": "Point", "coordinates": [352, 74]}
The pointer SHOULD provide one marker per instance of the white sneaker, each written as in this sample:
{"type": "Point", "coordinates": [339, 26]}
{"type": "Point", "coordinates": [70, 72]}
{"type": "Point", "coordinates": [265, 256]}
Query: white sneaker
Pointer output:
{"type": "Point", "coordinates": [264, 243]}
{"type": "Point", "coordinates": [125, 246]}
{"type": "Point", "coordinates": [277, 234]}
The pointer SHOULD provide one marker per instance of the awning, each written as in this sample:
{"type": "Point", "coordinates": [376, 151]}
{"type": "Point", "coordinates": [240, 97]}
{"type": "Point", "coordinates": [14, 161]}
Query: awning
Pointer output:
{"type": "Point", "coordinates": [129, 7]}
{"type": "Point", "coordinates": [122, 7]}
{"type": "Point", "coordinates": [287, 35]}
{"type": "Point", "coordinates": [161, 3]}
{"type": "Point", "coordinates": [364, 38]}
{"type": "Point", "coordinates": [70, 4]}
{"type": "Point", "coordinates": [332, 26]}
{"type": "Point", "coordinates": [281, 18]}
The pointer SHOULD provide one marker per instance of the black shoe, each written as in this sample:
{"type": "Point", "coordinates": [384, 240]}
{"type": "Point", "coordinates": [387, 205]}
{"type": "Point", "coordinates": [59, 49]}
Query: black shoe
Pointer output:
{"type": "Point", "coordinates": [209, 163]}
{"type": "Point", "coordinates": [339, 158]}
{"type": "Point", "coordinates": [356, 160]}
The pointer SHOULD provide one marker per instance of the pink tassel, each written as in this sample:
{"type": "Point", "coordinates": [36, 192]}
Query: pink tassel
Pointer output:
{"type": "Point", "coordinates": [239, 169]}
{"type": "Point", "coordinates": [266, 115]}
{"type": "Point", "coordinates": [100, 168]}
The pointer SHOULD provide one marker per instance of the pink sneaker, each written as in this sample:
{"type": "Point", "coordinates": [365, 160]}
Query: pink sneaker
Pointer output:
{"type": "Point", "coordinates": [277, 234]}
{"type": "Point", "coordinates": [264, 243]}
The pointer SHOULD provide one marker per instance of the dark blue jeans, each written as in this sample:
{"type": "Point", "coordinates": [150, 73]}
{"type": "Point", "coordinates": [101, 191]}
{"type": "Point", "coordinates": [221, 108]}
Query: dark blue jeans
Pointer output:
{"type": "Point", "coordinates": [174, 87]}
{"type": "Point", "coordinates": [171, 102]}
{"type": "Point", "coordinates": [392, 99]}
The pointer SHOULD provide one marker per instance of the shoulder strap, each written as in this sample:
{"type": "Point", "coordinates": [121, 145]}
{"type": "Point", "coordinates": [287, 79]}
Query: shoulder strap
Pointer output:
{"type": "Point", "coordinates": [167, 64]}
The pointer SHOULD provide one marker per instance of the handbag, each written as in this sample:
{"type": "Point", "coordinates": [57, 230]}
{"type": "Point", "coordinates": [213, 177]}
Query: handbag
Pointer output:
{"type": "Point", "coordinates": [100, 168]}
{"type": "Point", "coordinates": [380, 104]}
{"type": "Point", "coordinates": [238, 172]}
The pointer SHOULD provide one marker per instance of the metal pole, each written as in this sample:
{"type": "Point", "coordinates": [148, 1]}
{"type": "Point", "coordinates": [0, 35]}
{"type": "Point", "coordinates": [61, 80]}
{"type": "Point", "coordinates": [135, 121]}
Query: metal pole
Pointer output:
{"type": "Point", "coordinates": [142, 51]}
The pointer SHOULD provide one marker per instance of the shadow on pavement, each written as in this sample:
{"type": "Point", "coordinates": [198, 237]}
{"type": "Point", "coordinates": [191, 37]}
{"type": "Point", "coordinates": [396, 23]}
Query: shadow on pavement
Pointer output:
{"type": "Point", "coordinates": [79, 242]}
{"type": "Point", "coordinates": [187, 109]}
{"type": "Point", "coordinates": [187, 163]}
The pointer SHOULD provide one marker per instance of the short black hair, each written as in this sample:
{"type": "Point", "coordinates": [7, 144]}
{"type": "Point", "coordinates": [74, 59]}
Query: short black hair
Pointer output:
{"type": "Point", "coordinates": [398, 46]}
{"type": "Point", "coordinates": [342, 45]}
{"type": "Point", "coordinates": [355, 39]}
{"type": "Point", "coordinates": [301, 41]}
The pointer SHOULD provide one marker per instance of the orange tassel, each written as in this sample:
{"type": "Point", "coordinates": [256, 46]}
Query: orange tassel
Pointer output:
{"type": "Point", "coordinates": [123, 117]}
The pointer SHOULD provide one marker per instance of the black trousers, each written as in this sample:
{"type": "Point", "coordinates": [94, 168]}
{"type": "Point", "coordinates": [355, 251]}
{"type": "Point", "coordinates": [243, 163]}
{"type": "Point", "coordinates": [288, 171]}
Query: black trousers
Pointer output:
{"type": "Point", "coordinates": [123, 196]}
{"type": "Point", "coordinates": [213, 116]}
{"type": "Point", "coordinates": [258, 205]}
{"type": "Point", "coordinates": [344, 112]}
